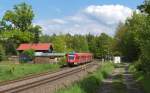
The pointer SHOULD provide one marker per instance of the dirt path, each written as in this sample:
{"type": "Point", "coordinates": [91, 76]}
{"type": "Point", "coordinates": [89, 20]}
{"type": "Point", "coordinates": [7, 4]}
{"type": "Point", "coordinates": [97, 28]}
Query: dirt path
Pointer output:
{"type": "Point", "coordinates": [131, 85]}
{"type": "Point", "coordinates": [121, 81]}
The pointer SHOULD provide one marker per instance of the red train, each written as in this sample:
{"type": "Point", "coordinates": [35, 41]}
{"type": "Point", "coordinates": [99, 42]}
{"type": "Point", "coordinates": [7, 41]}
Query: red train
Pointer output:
{"type": "Point", "coordinates": [79, 58]}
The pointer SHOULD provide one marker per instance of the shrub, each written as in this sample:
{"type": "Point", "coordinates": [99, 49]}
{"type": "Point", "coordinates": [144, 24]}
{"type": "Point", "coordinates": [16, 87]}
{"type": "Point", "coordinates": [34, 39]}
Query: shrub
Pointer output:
{"type": "Point", "coordinates": [143, 65]}
{"type": "Point", "coordinates": [62, 61]}
{"type": "Point", "coordinates": [27, 55]}
{"type": "Point", "coordinates": [2, 53]}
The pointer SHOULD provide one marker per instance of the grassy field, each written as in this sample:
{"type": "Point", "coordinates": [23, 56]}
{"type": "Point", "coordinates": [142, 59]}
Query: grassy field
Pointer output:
{"type": "Point", "coordinates": [10, 71]}
{"type": "Point", "coordinates": [91, 83]}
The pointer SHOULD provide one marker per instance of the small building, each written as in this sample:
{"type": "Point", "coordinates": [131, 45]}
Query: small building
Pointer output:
{"type": "Point", "coordinates": [37, 47]}
{"type": "Point", "coordinates": [43, 52]}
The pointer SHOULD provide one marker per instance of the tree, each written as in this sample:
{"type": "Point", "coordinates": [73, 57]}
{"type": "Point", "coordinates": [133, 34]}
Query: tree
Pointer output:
{"type": "Point", "coordinates": [16, 27]}
{"type": "Point", "coordinates": [20, 17]}
{"type": "Point", "coordinates": [59, 43]}
{"type": "Point", "coordinates": [103, 46]}
{"type": "Point", "coordinates": [145, 7]}
{"type": "Point", "coordinates": [46, 39]}
{"type": "Point", "coordinates": [91, 40]}
{"type": "Point", "coordinates": [80, 44]}
{"type": "Point", "coordinates": [36, 30]}
{"type": "Point", "coordinates": [127, 37]}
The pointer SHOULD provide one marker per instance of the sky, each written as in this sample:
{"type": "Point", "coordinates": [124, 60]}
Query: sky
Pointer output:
{"type": "Point", "coordinates": [77, 16]}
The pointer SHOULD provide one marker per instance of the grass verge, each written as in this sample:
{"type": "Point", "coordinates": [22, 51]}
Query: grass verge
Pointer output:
{"type": "Point", "coordinates": [143, 79]}
{"type": "Point", "coordinates": [92, 82]}
{"type": "Point", "coordinates": [14, 71]}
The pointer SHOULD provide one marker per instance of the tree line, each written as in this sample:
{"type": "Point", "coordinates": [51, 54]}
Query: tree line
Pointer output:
{"type": "Point", "coordinates": [99, 45]}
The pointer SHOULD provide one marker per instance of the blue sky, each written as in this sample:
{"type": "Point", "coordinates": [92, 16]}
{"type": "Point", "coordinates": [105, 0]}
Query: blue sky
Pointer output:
{"type": "Point", "coordinates": [62, 10]}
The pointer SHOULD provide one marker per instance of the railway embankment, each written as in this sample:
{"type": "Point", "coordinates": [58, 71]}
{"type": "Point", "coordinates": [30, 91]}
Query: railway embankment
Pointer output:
{"type": "Point", "coordinates": [91, 82]}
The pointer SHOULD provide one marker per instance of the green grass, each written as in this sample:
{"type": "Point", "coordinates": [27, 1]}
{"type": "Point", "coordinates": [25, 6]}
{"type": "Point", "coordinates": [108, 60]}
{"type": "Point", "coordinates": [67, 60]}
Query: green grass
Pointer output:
{"type": "Point", "coordinates": [143, 79]}
{"type": "Point", "coordinates": [91, 83]}
{"type": "Point", "coordinates": [13, 71]}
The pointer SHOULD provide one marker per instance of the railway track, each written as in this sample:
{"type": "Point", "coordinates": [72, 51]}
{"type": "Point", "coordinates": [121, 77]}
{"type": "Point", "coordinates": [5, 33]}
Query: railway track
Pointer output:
{"type": "Point", "coordinates": [21, 86]}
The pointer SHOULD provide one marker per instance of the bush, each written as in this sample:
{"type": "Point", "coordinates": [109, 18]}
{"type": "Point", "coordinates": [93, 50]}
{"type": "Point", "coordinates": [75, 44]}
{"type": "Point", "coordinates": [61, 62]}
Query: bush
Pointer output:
{"type": "Point", "coordinates": [2, 53]}
{"type": "Point", "coordinates": [27, 55]}
{"type": "Point", "coordinates": [62, 61]}
{"type": "Point", "coordinates": [143, 65]}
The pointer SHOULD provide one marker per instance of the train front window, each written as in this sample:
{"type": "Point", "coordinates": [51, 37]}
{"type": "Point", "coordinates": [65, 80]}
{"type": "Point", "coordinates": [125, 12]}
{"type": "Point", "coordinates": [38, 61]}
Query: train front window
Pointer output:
{"type": "Point", "coordinates": [71, 57]}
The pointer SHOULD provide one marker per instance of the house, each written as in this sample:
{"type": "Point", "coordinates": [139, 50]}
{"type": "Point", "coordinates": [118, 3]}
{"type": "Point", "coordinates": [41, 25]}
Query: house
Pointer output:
{"type": "Point", "coordinates": [37, 47]}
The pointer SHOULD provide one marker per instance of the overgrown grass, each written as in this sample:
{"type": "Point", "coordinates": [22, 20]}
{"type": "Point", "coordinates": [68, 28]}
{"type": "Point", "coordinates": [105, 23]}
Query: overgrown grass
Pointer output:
{"type": "Point", "coordinates": [14, 71]}
{"type": "Point", "coordinates": [91, 83]}
{"type": "Point", "coordinates": [143, 79]}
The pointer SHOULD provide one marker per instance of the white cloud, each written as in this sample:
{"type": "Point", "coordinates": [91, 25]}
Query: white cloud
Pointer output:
{"type": "Point", "coordinates": [94, 19]}
{"type": "Point", "coordinates": [110, 14]}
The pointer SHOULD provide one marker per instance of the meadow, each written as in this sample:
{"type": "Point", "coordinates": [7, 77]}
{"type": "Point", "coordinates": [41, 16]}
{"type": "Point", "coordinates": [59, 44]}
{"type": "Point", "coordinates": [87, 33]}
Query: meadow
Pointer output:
{"type": "Point", "coordinates": [9, 71]}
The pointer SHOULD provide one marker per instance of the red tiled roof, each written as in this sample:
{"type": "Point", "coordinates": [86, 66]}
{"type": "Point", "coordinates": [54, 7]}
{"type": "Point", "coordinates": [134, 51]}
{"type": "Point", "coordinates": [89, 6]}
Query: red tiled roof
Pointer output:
{"type": "Point", "coordinates": [38, 46]}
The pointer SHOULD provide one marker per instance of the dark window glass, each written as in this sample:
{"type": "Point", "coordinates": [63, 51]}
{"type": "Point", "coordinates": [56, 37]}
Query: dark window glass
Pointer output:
{"type": "Point", "coordinates": [71, 57]}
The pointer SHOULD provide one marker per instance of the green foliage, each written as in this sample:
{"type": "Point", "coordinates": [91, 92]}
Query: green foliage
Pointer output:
{"type": "Point", "coordinates": [133, 38]}
{"type": "Point", "coordinates": [145, 7]}
{"type": "Point", "coordinates": [79, 43]}
{"type": "Point", "coordinates": [59, 43]}
{"type": "Point", "coordinates": [29, 53]}
{"type": "Point", "coordinates": [127, 37]}
{"type": "Point", "coordinates": [91, 83]}
{"type": "Point", "coordinates": [46, 39]}
{"type": "Point", "coordinates": [145, 82]}
{"type": "Point", "coordinates": [103, 45]}
{"type": "Point", "coordinates": [142, 78]}
{"type": "Point", "coordinates": [17, 36]}
{"type": "Point", "coordinates": [2, 53]}
{"type": "Point", "coordinates": [20, 17]}
{"type": "Point", "coordinates": [36, 30]}
{"type": "Point", "coordinates": [16, 27]}
{"type": "Point", "coordinates": [62, 61]}
{"type": "Point", "coordinates": [67, 43]}
{"type": "Point", "coordinates": [100, 46]}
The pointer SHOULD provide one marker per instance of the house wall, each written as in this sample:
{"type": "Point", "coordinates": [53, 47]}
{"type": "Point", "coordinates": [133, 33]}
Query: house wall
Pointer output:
{"type": "Point", "coordinates": [43, 60]}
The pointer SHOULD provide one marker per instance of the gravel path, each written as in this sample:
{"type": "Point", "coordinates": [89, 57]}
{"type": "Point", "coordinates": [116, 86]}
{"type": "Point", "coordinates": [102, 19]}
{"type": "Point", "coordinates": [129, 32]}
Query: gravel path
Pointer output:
{"type": "Point", "coordinates": [128, 83]}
